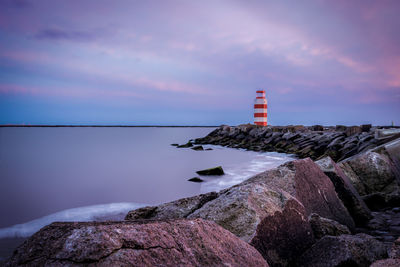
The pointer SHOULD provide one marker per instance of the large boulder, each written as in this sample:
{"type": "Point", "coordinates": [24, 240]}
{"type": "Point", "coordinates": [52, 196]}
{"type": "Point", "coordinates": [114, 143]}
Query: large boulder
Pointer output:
{"type": "Point", "coordinates": [344, 250]}
{"type": "Point", "coordinates": [323, 226]}
{"type": "Point", "coordinates": [377, 170]}
{"type": "Point", "coordinates": [180, 208]}
{"type": "Point", "coordinates": [168, 243]}
{"type": "Point", "coordinates": [270, 219]}
{"type": "Point", "coordinates": [305, 181]}
{"type": "Point", "coordinates": [346, 191]}
{"type": "Point", "coordinates": [269, 211]}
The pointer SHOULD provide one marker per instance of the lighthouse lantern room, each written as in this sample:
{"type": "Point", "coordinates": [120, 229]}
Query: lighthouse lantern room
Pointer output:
{"type": "Point", "coordinates": [260, 109]}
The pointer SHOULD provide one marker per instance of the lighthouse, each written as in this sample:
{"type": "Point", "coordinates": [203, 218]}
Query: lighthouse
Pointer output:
{"type": "Point", "coordinates": [260, 109]}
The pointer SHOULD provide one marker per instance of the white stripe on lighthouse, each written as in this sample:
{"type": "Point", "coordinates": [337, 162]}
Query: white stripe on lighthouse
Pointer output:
{"type": "Point", "coordinates": [260, 119]}
{"type": "Point", "coordinates": [260, 110]}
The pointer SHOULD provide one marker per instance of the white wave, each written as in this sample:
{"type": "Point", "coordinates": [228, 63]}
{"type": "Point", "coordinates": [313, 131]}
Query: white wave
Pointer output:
{"type": "Point", "coordinates": [114, 211]}
{"type": "Point", "coordinates": [237, 174]}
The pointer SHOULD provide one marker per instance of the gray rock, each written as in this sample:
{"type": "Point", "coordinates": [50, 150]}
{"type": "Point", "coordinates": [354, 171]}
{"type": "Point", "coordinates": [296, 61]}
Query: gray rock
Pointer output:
{"type": "Point", "coordinates": [169, 243]}
{"type": "Point", "coordinates": [305, 181]}
{"type": "Point", "coordinates": [188, 144]}
{"type": "Point", "coordinates": [196, 180]}
{"type": "Point", "coordinates": [376, 170]}
{"type": "Point", "coordinates": [395, 249]}
{"type": "Point", "coordinates": [341, 128]}
{"type": "Point", "coordinates": [270, 219]}
{"type": "Point", "coordinates": [346, 191]}
{"type": "Point", "coordinates": [317, 128]}
{"type": "Point", "coordinates": [386, 263]}
{"type": "Point", "coordinates": [323, 226]}
{"type": "Point", "coordinates": [352, 130]}
{"type": "Point", "coordinates": [384, 133]}
{"type": "Point", "coordinates": [365, 127]}
{"type": "Point", "coordinates": [269, 210]}
{"type": "Point", "coordinates": [212, 171]}
{"type": "Point", "coordinates": [180, 208]}
{"type": "Point", "coordinates": [344, 250]}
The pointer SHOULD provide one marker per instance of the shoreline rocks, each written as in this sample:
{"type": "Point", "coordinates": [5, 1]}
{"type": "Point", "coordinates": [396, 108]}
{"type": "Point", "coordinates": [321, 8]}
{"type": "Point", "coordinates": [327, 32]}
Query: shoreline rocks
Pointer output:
{"type": "Point", "coordinates": [346, 191]}
{"type": "Point", "coordinates": [271, 220]}
{"type": "Point", "coordinates": [344, 250]}
{"type": "Point", "coordinates": [269, 211]}
{"type": "Point", "coordinates": [316, 141]}
{"type": "Point", "coordinates": [158, 243]}
{"type": "Point", "coordinates": [301, 213]}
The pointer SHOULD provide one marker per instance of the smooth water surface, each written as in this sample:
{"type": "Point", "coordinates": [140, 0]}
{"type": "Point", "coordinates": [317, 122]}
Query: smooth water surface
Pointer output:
{"type": "Point", "coordinates": [79, 173]}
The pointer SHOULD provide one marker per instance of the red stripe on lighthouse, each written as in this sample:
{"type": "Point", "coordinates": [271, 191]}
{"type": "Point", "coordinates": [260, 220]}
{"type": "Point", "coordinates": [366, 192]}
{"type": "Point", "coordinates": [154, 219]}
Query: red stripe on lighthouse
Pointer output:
{"type": "Point", "coordinates": [260, 109]}
{"type": "Point", "coordinates": [260, 105]}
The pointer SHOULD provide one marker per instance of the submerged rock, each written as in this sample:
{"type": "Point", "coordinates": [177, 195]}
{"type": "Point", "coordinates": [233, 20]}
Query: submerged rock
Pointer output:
{"type": "Point", "coordinates": [344, 250]}
{"type": "Point", "coordinates": [169, 243]}
{"type": "Point", "coordinates": [212, 171]}
{"type": "Point", "coordinates": [188, 144]}
{"type": "Point", "coordinates": [196, 180]}
{"type": "Point", "coordinates": [198, 148]}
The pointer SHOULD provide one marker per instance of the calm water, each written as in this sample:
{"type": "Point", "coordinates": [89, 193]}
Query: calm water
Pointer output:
{"type": "Point", "coordinates": [62, 174]}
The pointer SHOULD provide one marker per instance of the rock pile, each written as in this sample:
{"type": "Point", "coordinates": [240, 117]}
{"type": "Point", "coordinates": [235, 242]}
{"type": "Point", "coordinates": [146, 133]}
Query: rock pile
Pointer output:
{"type": "Point", "coordinates": [302, 213]}
{"type": "Point", "coordinates": [316, 142]}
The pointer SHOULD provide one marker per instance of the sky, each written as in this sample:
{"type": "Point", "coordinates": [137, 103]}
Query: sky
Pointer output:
{"type": "Point", "coordinates": [199, 62]}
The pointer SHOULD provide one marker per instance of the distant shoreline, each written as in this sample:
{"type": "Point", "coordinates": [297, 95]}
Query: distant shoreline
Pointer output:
{"type": "Point", "coordinates": [136, 126]}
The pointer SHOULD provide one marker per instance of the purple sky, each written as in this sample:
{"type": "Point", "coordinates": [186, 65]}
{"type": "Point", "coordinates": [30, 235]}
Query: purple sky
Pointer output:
{"type": "Point", "coordinates": [199, 62]}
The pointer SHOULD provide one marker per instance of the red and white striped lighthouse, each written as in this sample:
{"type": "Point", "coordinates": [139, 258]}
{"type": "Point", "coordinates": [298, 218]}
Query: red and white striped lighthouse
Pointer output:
{"type": "Point", "coordinates": [260, 109]}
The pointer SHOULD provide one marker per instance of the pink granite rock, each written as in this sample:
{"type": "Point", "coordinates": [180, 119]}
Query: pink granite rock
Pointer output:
{"type": "Point", "coordinates": [159, 243]}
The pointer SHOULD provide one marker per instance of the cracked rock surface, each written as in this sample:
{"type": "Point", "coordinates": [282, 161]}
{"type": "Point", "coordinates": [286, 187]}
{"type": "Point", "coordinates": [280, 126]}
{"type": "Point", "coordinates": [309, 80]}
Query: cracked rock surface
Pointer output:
{"type": "Point", "coordinates": [153, 243]}
{"type": "Point", "coordinates": [269, 211]}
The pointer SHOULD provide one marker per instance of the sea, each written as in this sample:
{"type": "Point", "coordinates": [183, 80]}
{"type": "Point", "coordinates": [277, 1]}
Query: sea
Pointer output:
{"type": "Point", "coordinates": [52, 174]}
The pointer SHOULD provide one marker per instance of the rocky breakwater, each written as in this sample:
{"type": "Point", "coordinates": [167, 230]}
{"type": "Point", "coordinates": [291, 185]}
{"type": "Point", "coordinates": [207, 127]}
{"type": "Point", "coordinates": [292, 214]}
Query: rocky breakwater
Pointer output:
{"type": "Point", "coordinates": [270, 211]}
{"type": "Point", "coordinates": [306, 213]}
{"type": "Point", "coordinates": [316, 141]}
{"type": "Point", "coordinates": [302, 213]}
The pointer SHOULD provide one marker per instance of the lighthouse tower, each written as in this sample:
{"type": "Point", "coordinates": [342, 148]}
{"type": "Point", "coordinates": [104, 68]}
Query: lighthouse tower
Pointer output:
{"type": "Point", "coordinates": [260, 109]}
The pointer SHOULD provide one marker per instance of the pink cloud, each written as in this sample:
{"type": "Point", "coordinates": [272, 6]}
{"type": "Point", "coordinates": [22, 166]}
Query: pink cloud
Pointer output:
{"type": "Point", "coordinates": [7, 89]}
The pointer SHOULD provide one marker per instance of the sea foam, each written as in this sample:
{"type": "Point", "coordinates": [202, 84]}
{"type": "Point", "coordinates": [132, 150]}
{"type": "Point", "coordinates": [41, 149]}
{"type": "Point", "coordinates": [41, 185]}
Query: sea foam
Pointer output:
{"type": "Point", "coordinates": [114, 211]}
{"type": "Point", "coordinates": [235, 174]}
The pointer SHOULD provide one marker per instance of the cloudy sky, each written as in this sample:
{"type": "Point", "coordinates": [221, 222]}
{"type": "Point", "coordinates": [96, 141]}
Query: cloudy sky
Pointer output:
{"type": "Point", "coordinates": [199, 62]}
